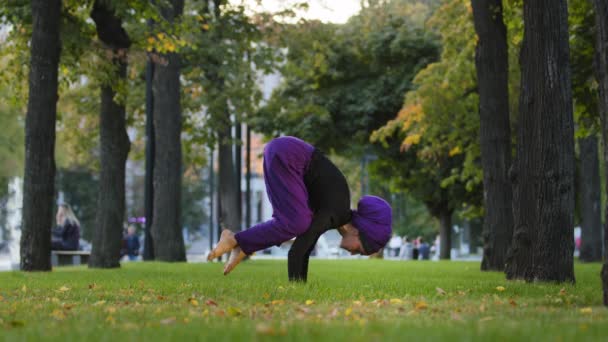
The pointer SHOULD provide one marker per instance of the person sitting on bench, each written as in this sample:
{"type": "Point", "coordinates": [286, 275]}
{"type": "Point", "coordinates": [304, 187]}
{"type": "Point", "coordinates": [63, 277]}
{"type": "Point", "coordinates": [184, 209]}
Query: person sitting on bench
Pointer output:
{"type": "Point", "coordinates": [66, 236]}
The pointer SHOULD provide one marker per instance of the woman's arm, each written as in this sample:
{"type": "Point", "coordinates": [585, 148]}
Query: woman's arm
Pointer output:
{"type": "Point", "coordinates": [297, 262]}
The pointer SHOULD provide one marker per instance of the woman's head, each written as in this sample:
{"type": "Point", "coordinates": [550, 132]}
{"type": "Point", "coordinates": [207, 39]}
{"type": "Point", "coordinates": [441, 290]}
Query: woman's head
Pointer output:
{"type": "Point", "coordinates": [372, 220]}
{"type": "Point", "coordinates": [66, 215]}
{"type": "Point", "coordinates": [350, 240]}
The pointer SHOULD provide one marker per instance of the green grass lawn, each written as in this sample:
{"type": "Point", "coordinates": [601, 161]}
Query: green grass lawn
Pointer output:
{"type": "Point", "coordinates": [354, 300]}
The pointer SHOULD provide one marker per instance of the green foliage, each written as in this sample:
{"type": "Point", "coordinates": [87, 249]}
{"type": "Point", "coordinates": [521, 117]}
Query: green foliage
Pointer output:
{"type": "Point", "coordinates": [433, 142]}
{"type": "Point", "coordinates": [11, 141]}
{"type": "Point", "coordinates": [340, 82]}
{"type": "Point", "coordinates": [221, 69]}
{"type": "Point", "coordinates": [581, 17]}
{"type": "Point", "coordinates": [344, 300]}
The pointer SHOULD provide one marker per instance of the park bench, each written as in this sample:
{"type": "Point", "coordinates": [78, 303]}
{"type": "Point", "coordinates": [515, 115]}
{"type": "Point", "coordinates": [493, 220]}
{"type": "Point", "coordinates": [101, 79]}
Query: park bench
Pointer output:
{"type": "Point", "coordinates": [63, 258]}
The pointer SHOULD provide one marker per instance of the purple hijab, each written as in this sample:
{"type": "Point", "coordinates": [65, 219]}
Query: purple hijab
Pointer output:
{"type": "Point", "coordinates": [373, 219]}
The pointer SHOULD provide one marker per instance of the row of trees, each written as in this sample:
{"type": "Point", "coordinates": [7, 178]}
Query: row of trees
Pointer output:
{"type": "Point", "coordinates": [203, 82]}
{"type": "Point", "coordinates": [455, 61]}
{"type": "Point", "coordinates": [458, 114]}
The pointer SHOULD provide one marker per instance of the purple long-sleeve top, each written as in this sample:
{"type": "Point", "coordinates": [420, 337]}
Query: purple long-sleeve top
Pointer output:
{"type": "Point", "coordinates": [285, 162]}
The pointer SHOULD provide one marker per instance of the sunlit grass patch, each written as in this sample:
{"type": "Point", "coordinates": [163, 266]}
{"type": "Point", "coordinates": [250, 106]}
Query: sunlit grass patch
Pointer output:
{"type": "Point", "coordinates": [344, 299]}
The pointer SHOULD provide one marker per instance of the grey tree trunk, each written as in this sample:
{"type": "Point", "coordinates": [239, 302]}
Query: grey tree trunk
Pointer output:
{"type": "Point", "coordinates": [543, 171]}
{"type": "Point", "coordinates": [445, 234]}
{"type": "Point", "coordinates": [601, 53]}
{"type": "Point", "coordinates": [228, 200]}
{"type": "Point", "coordinates": [39, 175]}
{"type": "Point", "coordinates": [166, 226]}
{"type": "Point", "coordinates": [591, 225]}
{"type": "Point", "coordinates": [491, 60]}
{"type": "Point", "coordinates": [114, 143]}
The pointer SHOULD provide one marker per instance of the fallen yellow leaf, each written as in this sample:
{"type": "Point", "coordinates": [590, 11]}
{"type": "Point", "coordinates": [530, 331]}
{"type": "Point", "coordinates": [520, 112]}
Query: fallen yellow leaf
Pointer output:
{"type": "Point", "coordinates": [500, 288]}
{"type": "Point", "coordinates": [193, 301]}
{"type": "Point", "coordinates": [586, 310]}
{"type": "Point", "coordinates": [98, 303]}
{"type": "Point", "coordinates": [440, 291]}
{"type": "Point", "coordinates": [1, 298]}
{"type": "Point", "coordinates": [348, 311]}
{"type": "Point", "coordinates": [278, 302]}
{"type": "Point", "coordinates": [396, 301]}
{"type": "Point", "coordinates": [232, 311]}
{"type": "Point", "coordinates": [58, 314]}
{"type": "Point", "coordinates": [309, 302]}
{"type": "Point", "coordinates": [64, 289]}
{"type": "Point", "coordinates": [421, 305]}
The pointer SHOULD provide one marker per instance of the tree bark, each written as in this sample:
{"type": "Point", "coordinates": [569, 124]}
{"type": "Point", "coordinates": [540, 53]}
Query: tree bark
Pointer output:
{"type": "Point", "coordinates": [543, 171]}
{"type": "Point", "coordinates": [166, 226]}
{"type": "Point", "coordinates": [591, 225]}
{"type": "Point", "coordinates": [601, 66]}
{"type": "Point", "coordinates": [228, 200]}
{"type": "Point", "coordinates": [491, 60]}
{"type": "Point", "coordinates": [445, 234]}
{"type": "Point", "coordinates": [39, 175]}
{"type": "Point", "coordinates": [114, 142]}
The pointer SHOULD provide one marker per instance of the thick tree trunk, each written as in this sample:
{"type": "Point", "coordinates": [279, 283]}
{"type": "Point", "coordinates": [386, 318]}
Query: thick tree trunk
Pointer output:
{"type": "Point", "coordinates": [601, 65]}
{"type": "Point", "coordinates": [591, 225]}
{"type": "Point", "coordinates": [491, 59]}
{"type": "Point", "coordinates": [543, 172]}
{"type": "Point", "coordinates": [39, 176]}
{"type": "Point", "coordinates": [114, 143]}
{"type": "Point", "coordinates": [228, 200]}
{"type": "Point", "coordinates": [445, 234]}
{"type": "Point", "coordinates": [166, 225]}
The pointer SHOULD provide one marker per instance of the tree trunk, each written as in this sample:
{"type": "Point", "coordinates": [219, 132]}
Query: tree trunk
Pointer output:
{"type": "Point", "coordinates": [228, 201]}
{"type": "Point", "coordinates": [591, 225]}
{"type": "Point", "coordinates": [238, 169]}
{"type": "Point", "coordinates": [114, 143]}
{"type": "Point", "coordinates": [166, 226]}
{"type": "Point", "coordinates": [491, 59]}
{"type": "Point", "coordinates": [445, 234]}
{"type": "Point", "coordinates": [543, 172]}
{"type": "Point", "coordinates": [601, 66]}
{"type": "Point", "coordinates": [39, 175]}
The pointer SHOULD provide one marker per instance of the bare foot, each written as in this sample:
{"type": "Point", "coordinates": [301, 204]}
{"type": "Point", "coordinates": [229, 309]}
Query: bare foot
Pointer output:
{"type": "Point", "coordinates": [226, 244]}
{"type": "Point", "coordinates": [236, 256]}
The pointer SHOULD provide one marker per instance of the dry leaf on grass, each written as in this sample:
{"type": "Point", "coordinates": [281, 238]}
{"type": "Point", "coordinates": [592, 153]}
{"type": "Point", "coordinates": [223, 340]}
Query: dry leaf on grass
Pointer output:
{"type": "Point", "coordinates": [167, 321]}
{"type": "Point", "coordinates": [422, 305]}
